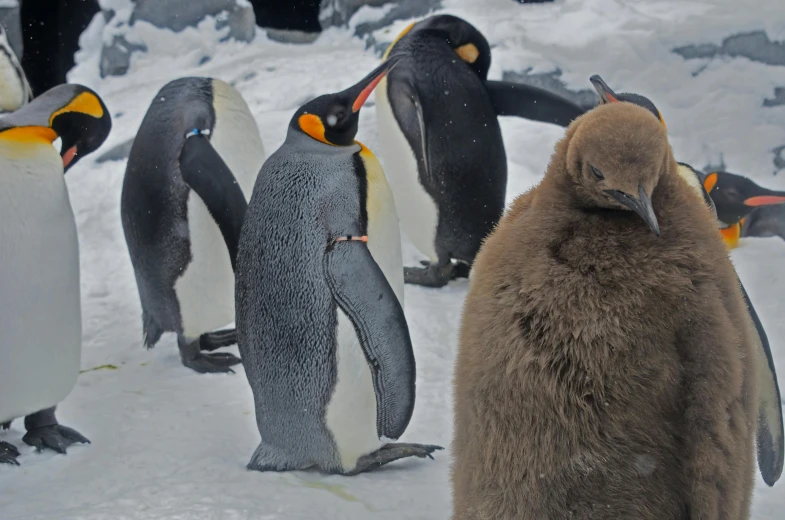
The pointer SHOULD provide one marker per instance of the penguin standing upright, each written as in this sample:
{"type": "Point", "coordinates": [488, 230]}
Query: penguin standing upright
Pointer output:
{"type": "Point", "coordinates": [605, 325]}
{"type": "Point", "coordinates": [442, 144]}
{"type": "Point", "coordinates": [15, 91]}
{"type": "Point", "coordinates": [320, 320]}
{"type": "Point", "coordinates": [190, 172]}
{"type": "Point", "coordinates": [770, 434]}
{"type": "Point", "coordinates": [40, 315]}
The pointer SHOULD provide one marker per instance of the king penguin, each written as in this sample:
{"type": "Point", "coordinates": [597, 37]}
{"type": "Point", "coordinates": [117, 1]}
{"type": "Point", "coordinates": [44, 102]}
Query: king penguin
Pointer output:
{"type": "Point", "coordinates": [770, 434]}
{"type": "Point", "coordinates": [40, 314]}
{"type": "Point", "coordinates": [15, 91]}
{"type": "Point", "coordinates": [190, 172]}
{"type": "Point", "coordinates": [320, 320]}
{"type": "Point", "coordinates": [441, 141]}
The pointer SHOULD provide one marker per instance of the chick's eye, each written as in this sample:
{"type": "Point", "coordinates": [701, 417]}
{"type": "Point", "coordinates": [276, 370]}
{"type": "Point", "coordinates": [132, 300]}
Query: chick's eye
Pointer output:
{"type": "Point", "coordinates": [597, 173]}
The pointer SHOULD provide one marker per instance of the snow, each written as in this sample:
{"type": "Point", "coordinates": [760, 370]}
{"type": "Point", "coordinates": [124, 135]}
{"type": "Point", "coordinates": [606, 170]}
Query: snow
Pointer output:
{"type": "Point", "coordinates": [170, 443]}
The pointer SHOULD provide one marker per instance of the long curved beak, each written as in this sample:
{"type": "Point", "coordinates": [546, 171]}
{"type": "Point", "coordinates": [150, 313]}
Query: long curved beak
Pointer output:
{"type": "Point", "coordinates": [640, 205]}
{"type": "Point", "coordinates": [770, 198]}
{"type": "Point", "coordinates": [362, 90]}
{"type": "Point", "coordinates": [603, 90]}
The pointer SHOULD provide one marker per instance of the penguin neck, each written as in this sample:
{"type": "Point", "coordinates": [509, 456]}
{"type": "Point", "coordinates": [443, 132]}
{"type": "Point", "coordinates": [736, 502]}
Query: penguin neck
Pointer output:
{"type": "Point", "coordinates": [305, 143]}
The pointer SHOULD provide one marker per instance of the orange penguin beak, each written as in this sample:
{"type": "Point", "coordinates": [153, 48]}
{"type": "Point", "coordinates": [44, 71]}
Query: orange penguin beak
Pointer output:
{"type": "Point", "coordinates": [764, 200]}
{"type": "Point", "coordinates": [68, 156]}
{"type": "Point", "coordinates": [603, 90]}
{"type": "Point", "coordinates": [367, 84]}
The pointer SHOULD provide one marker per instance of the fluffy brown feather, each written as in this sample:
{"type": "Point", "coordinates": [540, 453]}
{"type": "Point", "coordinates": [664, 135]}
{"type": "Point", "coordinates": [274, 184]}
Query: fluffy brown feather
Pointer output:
{"type": "Point", "coordinates": [603, 371]}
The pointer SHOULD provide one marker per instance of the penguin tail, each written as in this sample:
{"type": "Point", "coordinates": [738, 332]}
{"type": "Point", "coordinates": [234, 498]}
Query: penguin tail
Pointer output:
{"type": "Point", "coordinates": [152, 331]}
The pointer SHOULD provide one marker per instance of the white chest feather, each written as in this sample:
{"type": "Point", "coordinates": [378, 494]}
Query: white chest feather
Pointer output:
{"type": "Point", "coordinates": [205, 291]}
{"type": "Point", "coordinates": [419, 213]}
{"type": "Point", "coordinates": [13, 87]}
{"type": "Point", "coordinates": [40, 316]}
{"type": "Point", "coordinates": [351, 413]}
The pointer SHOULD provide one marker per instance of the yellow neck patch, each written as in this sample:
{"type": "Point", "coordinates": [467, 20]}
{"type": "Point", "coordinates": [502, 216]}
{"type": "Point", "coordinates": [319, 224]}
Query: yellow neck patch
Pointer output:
{"type": "Point", "coordinates": [84, 103]}
{"type": "Point", "coordinates": [29, 134]}
{"type": "Point", "coordinates": [403, 33]}
{"type": "Point", "coordinates": [662, 120]}
{"type": "Point", "coordinates": [468, 52]}
{"type": "Point", "coordinates": [312, 125]}
{"type": "Point", "coordinates": [731, 235]}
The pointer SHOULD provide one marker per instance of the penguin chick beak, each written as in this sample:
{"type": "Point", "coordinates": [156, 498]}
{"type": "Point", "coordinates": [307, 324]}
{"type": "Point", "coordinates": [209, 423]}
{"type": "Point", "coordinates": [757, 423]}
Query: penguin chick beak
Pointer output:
{"type": "Point", "coordinates": [364, 88]}
{"type": "Point", "coordinates": [642, 206]}
{"type": "Point", "coordinates": [603, 90]}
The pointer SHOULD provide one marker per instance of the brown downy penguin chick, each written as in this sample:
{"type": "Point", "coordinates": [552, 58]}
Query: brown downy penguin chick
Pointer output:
{"type": "Point", "coordinates": [603, 369]}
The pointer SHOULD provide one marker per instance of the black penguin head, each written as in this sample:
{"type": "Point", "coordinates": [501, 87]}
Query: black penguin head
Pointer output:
{"type": "Point", "coordinates": [332, 118]}
{"type": "Point", "coordinates": [74, 113]}
{"type": "Point", "coordinates": [609, 96]}
{"type": "Point", "coordinates": [736, 196]}
{"type": "Point", "coordinates": [467, 42]}
{"type": "Point", "coordinates": [616, 155]}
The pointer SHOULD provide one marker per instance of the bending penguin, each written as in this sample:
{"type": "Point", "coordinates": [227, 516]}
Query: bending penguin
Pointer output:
{"type": "Point", "coordinates": [15, 91]}
{"type": "Point", "coordinates": [40, 314]}
{"type": "Point", "coordinates": [442, 144]}
{"type": "Point", "coordinates": [320, 320]}
{"type": "Point", "coordinates": [190, 172]}
{"type": "Point", "coordinates": [770, 436]}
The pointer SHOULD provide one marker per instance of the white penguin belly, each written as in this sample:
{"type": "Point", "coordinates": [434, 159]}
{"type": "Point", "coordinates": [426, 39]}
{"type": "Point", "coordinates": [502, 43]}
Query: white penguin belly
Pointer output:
{"type": "Point", "coordinates": [205, 291]}
{"type": "Point", "coordinates": [419, 214]}
{"type": "Point", "coordinates": [351, 412]}
{"type": "Point", "coordinates": [12, 94]}
{"type": "Point", "coordinates": [40, 314]}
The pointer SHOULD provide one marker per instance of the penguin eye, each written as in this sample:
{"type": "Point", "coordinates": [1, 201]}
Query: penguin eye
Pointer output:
{"type": "Point", "coordinates": [597, 173]}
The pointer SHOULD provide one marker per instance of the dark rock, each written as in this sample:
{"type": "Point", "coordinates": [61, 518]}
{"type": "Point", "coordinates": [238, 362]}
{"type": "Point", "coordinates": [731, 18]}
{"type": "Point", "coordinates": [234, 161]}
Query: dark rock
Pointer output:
{"type": "Point", "coordinates": [779, 159]}
{"type": "Point", "coordinates": [755, 46]}
{"type": "Point", "coordinates": [779, 98]}
{"type": "Point", "coordinates": [179, 14]}
{"type": "Point", "coordinates": [116, 57]}
{"type": "Point", "coordinates": [585, 98]}
{"type": "Point", "coordinates": [339, 12]}
{"type": "Point", "coordinates": [117, 153]}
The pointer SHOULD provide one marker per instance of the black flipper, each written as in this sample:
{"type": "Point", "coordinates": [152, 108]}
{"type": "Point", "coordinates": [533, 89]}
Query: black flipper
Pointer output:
{"type": "Point", "coordinates": [362, 292]}
{"type": "Point", "coordinates": [528, 102]}
{"type": "Point", "coordinates": [771, 441]}
{"type": "Point", "coordinates": [209, 176]}
{"type": "Point", "coordinates": [406, 106]}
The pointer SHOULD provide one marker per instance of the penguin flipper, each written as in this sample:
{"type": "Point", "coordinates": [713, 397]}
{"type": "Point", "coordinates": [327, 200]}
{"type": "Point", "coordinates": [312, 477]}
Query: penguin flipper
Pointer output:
{"type": "Point", "coordinates": [361, 290]}
{"type": "Point", "coordinates": [771, 440]}
{"type": "Point", "coordinates": [209, 176]}
{"type": "Point", "coordinates": [529, 102]}
{"type": "Point", "coordinates": [406, 105]}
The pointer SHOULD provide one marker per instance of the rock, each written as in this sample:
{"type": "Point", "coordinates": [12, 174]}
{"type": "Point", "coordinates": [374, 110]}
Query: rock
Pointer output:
{"type": "Point", "coordinates": [291, 36]}
{"type": "Point", "coordinates": [12, 23]}
{"type": "Point", "coordinates": [339, 12]}
{"type": "Point", "coordinates": [585, 98]}
{"type": "Point", "coordinates": [753, 45]}
{"type": "Point", "coordinates": [179, 14]}
{"type": "Point", "coordinates": [118, 152]}
{"type": "Point", "coordinates": [779, 98]}
{"type": "Point", "coordinates": [116, 57]}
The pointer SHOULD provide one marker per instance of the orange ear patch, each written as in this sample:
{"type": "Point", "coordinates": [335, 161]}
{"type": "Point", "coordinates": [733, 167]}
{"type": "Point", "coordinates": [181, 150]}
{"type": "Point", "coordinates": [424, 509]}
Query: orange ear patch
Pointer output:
{"type": "Point", "coordinates": [29, 134]}
{"type": "Point", "coordinates": [84, 103]}
{"type": "Point", "coordinates": [710, 182]}
{"type": "Point", "coordinates": [312, 125]}
{"type": "Point", "coordinates": [468, 52]}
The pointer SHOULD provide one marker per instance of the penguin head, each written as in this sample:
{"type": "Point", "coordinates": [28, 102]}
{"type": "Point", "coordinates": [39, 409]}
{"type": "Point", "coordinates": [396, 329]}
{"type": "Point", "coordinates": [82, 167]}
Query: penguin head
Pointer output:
{"type": "Point", "coordinates": [333, 118]}
{"type": "Point", "coordinates": [462, 37]}
{"type": "Point", "coordinates": [609, 96]}
{"type": "Point", "coordinates": [615, 157]}
{"type": "Point", "coordinates": [74, 113]}
{"type": "Point", "coordinates": [736, 196]}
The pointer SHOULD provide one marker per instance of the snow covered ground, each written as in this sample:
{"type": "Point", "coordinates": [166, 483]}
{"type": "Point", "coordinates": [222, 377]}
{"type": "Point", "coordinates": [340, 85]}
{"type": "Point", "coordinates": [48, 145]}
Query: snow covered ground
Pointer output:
{"type": "Point", "coordinates": [169, 443]}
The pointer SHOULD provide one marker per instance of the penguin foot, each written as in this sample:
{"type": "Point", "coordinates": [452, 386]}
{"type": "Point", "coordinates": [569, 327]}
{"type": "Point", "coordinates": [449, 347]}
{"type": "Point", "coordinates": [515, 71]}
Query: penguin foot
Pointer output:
{"type": "Point", "coordinates": [8, 454]}
{"type": "Point", "coordinates": [429, 276]}
{"type": "Point", "coordinates": [392, 452]}
{"type": "Point", "coordinates": [214, 340]}
{"type": "Point", "coordinates": [55, 437]}
{"type": "Point", "coordinates": [207, 363]}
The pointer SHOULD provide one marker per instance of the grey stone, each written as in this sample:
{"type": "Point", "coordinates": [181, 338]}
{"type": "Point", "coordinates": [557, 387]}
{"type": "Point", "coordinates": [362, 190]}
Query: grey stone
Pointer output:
{"type": "Point", "coordinates": [12, 23]}
{"type": "Point", "coordinates": [339, 12]}
{"type": "Point", "coordinates": [779, 98]}
{"type": "Point", "coordinates": [585, 98]}
{"type": "Point", "coordinates": [291, 36]}
{"type": "Point", "coordinates": [779, 158]}
{"type": "Point", "coordinates": [117, 152]}
{"type": "Point", "coordinates": [179, 14]}
{"type": "Point", "coordinates": [116, 57]}
{"type": "Point", "coordinates": [755, 46]}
